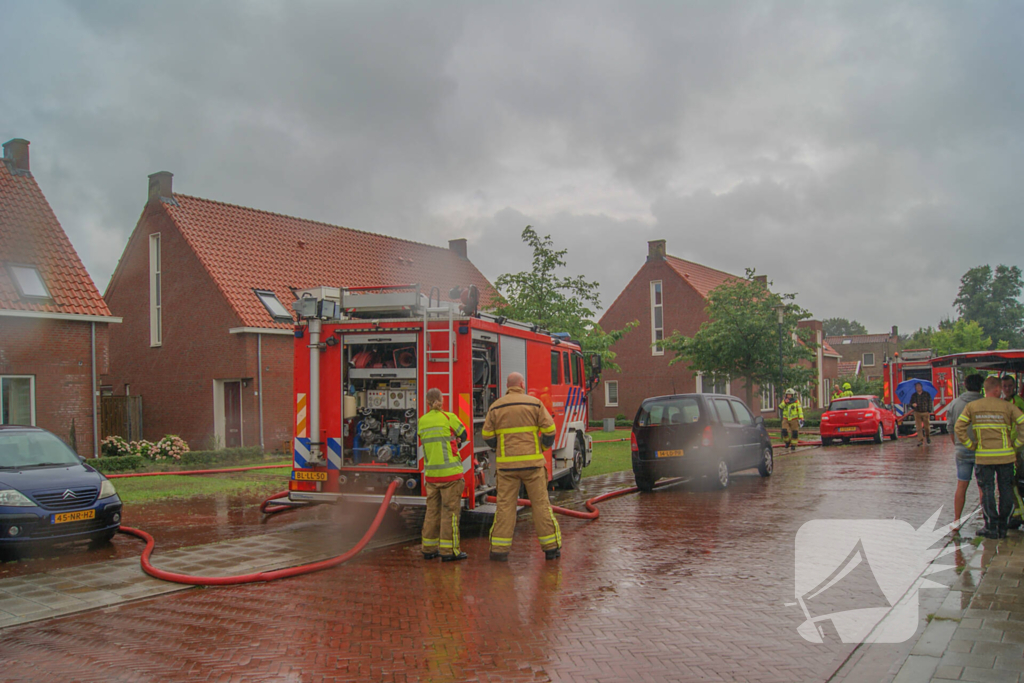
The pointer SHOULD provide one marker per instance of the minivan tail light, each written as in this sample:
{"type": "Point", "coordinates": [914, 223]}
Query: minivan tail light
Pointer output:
{"type": "Point", "coordinates": [632, 443]}
{"type": "Point", "coordinates": [709, 438]}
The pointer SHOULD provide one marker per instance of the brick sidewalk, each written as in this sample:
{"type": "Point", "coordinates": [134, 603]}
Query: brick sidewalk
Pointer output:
{"type": "Point", "coordinates": [984, 642]}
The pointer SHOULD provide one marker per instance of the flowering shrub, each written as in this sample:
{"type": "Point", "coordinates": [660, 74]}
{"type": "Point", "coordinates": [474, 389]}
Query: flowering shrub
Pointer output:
{"type": "Point", "coordinates": [143, 448]}
{"type": "Point", "coordinates": [171, 446]}
{"type": "Point", "coordinates": [115, 446]}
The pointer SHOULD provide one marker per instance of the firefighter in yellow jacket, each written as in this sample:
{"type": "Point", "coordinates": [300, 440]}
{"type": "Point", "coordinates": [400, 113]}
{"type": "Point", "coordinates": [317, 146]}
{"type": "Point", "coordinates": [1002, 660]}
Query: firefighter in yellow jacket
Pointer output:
{"type": "Point", "coordinates": [519, 429]}
{"type": "Point", "coordinates": [792, 419]}
{"type": "Point", "coordinates": [997, 426]}
{"type": "Point", "coordinates": [847, 390]}
{"type": "Point", "coordinates": [442, 435]}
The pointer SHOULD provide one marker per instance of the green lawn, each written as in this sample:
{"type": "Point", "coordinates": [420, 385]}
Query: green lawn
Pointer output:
{"type": "Point", "coordinates": [149, 489]}
{"type": "Point", "coordinates": [610, 456]}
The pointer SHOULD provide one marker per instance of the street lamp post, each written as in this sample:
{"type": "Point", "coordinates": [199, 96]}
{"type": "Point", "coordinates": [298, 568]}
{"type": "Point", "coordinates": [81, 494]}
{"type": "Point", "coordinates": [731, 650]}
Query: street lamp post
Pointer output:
{"type": "Point", "coordinates": [780, 311]}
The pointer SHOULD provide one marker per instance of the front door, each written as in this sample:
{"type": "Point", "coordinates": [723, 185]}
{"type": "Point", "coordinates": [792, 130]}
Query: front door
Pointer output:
{"type": "Point", "coordinates": [232, 414]}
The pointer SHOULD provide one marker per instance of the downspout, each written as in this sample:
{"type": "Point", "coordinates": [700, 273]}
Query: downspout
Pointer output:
{"type": "Point", "coordinates": [259, 381]}
{"type": "Point", "coordinates": [95, 416]}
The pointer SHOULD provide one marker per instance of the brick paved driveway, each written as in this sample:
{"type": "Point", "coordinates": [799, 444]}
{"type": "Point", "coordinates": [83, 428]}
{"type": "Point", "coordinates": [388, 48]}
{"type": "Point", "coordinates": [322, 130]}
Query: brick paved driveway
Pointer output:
{"type": "Point", "coordinates": [677, 585]}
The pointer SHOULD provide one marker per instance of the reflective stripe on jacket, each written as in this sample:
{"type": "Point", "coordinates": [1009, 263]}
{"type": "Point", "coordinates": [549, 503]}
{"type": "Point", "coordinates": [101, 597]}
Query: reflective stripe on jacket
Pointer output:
{"type": "Point", "coordinates": [996, 425]}
{"type": "Point", "coordinates": [792, 411]}
{"type": "Point", "coordinates": [440, 433]}
{"type": "Point", "coordinates": [519, 428]}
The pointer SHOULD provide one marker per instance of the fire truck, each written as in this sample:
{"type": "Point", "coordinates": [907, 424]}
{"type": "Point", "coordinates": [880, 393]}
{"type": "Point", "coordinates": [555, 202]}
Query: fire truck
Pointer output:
{"type": "Point", "coordinates": [364, 360]}
{"type": "Point", "coordinates": [913, 364]}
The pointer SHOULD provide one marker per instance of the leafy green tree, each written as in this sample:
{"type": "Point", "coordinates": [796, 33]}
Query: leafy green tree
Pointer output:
{"type": "Point", "coordinates": [555, 302]}
{"type": "Point", "coordinates": [922, 339]}
{"type": "Point", "coordinates": [841, 327]}
{"type": "Point", "coordinates": [741, 338]}
{"type": "Point", "coordinates": [960, 337]}
{"type": "Point", "coordinates": [992, 299]}
{"type": "Point", "coordinates": [863, 387]}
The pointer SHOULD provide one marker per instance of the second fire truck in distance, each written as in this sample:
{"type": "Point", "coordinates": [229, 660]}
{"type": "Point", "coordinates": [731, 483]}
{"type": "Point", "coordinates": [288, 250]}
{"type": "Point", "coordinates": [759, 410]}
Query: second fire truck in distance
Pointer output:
{"type": "Point", "coordinates": [913, 364]}
{"type": "Point", "coordinates": [364, 360]}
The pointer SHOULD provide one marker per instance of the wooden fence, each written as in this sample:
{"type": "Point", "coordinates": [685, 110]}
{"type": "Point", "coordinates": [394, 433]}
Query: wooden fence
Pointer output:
{"type": "Point", "coordinates": [121, 416]}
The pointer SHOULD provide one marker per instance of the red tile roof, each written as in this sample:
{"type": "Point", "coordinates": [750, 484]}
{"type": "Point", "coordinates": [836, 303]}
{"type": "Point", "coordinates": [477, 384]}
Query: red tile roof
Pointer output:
{"type": "Point", "coordinates": [702, 278]}
{"type": "Point", "coordinates": [849, 368]}
{"type": "Point", "coordinates": [828, 350]}
{"type": "Point", "coordinates": [246, 249]}
{"type": "Point", "coordinates": [31, 235]}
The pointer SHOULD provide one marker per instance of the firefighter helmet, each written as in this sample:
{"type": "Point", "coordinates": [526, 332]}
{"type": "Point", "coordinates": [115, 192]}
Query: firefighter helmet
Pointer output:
{"type": "Point", "coordinates": [790, 392]}
{"type": "Point", "coordinates": [846, 386]}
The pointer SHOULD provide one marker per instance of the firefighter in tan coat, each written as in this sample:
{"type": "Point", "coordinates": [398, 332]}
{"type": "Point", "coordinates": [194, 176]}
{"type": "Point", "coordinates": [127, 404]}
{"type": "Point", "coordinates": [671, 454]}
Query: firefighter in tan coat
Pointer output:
{"type": "Point", "coordinates": [519, 429]}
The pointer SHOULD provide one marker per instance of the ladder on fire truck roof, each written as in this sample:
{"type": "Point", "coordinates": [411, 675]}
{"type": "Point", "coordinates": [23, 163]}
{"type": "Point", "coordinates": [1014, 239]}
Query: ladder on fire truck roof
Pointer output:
{"type": "Point", "coordinates": [443, 353]}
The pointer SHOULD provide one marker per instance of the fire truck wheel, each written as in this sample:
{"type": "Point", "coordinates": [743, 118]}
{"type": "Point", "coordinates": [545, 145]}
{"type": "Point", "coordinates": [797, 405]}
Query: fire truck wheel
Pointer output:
{"type": "Point", "coordinates": [571, 481]}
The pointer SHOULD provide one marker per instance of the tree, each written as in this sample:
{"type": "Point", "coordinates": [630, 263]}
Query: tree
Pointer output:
{"type": "Point", "coordinates": [922, 339]}
{"type": "Point", "coordinates": [741, 338]}
{"type": "Point", "coordinates": [960, 337]}
{"type": "Point", "coordinates": [841, 327]}
{"type": "Point", "coordinates": [992, 299]}
{"type": "Point", "coordinates": [861, 386]}
{"type": "Point", "coordinates": [556, 303]}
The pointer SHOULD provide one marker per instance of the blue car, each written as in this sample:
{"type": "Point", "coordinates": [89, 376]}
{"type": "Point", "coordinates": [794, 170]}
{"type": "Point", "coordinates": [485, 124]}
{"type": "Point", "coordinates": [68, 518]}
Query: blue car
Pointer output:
{"type": "Point", "coordinates": [48, 493]}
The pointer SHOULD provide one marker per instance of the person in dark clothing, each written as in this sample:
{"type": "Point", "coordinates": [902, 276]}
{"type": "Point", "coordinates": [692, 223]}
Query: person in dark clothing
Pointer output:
{"type": "Point", "coordinates": [921, 404]}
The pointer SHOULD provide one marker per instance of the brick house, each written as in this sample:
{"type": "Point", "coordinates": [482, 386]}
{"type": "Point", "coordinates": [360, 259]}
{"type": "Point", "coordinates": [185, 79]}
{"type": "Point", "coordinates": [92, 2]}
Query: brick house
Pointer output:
{"type": "Point", "coordinates": [199, 284]}
{"type": "Point", "coordinates": [667, 295]}
{"type": "Point", "coordinates": [870, 350]}
{"type": "Point", "coordinates": [53, 321]}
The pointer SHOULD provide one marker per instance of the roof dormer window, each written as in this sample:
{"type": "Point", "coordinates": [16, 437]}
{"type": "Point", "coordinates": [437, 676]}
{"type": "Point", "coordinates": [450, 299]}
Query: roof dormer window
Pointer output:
{"type": "Point", "coordinates": [274, 306]}
{"type": "Point", "coordinates": [29, 282]}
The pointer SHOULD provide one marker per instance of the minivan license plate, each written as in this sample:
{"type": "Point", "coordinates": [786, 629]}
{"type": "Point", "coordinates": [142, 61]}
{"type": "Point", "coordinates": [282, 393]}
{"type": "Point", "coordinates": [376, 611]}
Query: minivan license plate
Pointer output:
{"type": "Point", "coordinates": [670, 454]}
{"type": "Point", "coordinates": [74, 516]}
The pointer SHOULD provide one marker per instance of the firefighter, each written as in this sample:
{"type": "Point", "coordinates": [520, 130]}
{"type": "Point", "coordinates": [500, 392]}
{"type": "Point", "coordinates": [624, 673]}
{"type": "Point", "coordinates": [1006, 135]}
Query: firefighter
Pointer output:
{"type": "Point", "coordinates": [792, 419]}
{"type": "Point", "coordinates": [1009, 392]}
{"type": "Point", "coordinates": [519, 429]}
{"type": "Point", "coordinates": [847, 390]}
{"type": "Point", "coordinates": [442, 435]}
{"type": "Point", "coordinates": [993, 421]}
{"type": "Point", "coordinates": [837, 392]}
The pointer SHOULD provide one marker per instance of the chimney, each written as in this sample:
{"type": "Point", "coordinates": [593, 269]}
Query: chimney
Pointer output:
{"type": "Point", "coordinates": [763, 279]}
{"type": "Point", "coordinates": [895, 332]}
{"type": "Point", "coordinates": [459, 247]}
{"type": "Point", "coordinates": [16, 154]}
{"type": "Point", "coordinates": [656, 250]}
{"type": "Point", "coordinates": [160, 185]}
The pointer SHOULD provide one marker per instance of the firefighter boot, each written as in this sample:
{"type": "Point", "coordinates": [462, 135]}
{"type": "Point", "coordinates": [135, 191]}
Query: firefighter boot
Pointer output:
{"type": "Point", "coordinates": [553, 554]}
{"type": "Point", "coordinates": [430, 555]}
{"type": "Point", "coordinates": [454, 558]}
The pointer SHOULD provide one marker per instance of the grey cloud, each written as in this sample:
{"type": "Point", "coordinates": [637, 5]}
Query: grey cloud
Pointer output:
{"type": "Point", "coordinates": [864, 154]}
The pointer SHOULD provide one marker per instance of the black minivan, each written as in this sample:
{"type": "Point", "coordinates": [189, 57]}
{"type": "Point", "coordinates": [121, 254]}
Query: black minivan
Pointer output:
{"type": "Point", "coordinates": [695, 435]}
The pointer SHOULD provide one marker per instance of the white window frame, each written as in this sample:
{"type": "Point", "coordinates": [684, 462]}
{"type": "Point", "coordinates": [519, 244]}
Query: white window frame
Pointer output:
{"type": "Point", "coordinates": [657, 350]}
{"type": "Point", "coordinates": [700, 385]}
{"type": "Point", "coordinates": [805, 399]}
{"type": "Point", "coordinates": [13, 269]}
{"type": "Point", "coordinates": [864, 361]}
{"type": "Point", "coordinates": [607, 400]}
{"type": "Point", "coordinates": [156, 300]}
{"type": "Point", "coordinates": [767, 398]}
{"type": "Point", "coordinates": [32, 393]}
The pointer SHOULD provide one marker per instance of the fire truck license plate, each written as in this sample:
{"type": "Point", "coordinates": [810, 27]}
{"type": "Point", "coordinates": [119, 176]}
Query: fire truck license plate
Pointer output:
{"type": "Point", "coordinates": [74, 516]}
{"type": "Point", "coordinates": [670, 454]}
{"type": "Point", "coordinates": [309, 476]}
{"type": "Point", "coordinates": [847, 429]}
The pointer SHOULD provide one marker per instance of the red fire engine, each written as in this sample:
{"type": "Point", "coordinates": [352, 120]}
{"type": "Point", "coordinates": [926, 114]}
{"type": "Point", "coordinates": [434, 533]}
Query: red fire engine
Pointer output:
{"type": "Point", "coordinates": [364, 360]}
{"type": "Point", "coordinates": [917, 364]}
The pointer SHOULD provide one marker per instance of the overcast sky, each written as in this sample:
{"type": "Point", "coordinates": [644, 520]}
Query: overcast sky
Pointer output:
{"type": "Point", "coordinates": [861, 154]}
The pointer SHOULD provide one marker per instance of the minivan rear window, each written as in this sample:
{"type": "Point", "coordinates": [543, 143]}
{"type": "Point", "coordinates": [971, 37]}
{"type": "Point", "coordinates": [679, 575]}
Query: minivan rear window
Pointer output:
{"type": "Point", "coordinates": [669, 411]}
{"type": "Point", "coordinates": [850, 404]}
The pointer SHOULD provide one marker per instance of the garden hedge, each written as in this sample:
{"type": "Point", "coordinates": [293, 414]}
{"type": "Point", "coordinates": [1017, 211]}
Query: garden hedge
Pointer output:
{"type": "Point", "coordinates": [193, 460]}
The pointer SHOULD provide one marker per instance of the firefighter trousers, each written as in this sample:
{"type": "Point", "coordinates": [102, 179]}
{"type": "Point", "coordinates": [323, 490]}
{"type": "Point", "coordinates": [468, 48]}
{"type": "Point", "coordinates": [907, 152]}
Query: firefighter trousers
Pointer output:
{"type": "Point", "coordinates": [535, 479]}
{"type": "Point", "coordinates": [441, 523]}
{"type": "Point", "coordinates": [791, 432]}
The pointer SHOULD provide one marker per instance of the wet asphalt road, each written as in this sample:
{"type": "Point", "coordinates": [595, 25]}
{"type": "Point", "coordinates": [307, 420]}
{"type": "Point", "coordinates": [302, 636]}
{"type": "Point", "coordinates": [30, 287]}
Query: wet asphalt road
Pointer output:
{"type": "Point", "coordinates": [681, 584]}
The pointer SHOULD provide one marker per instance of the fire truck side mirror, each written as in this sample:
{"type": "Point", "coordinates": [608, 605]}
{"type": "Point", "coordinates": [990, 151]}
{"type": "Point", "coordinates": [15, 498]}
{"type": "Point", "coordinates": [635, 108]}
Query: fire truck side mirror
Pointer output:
{"type": "Point", "coordinates": [595, 363]}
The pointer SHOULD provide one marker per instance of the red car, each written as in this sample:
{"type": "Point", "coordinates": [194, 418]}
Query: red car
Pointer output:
{"type": "Point", "coordinates": [857, 417]}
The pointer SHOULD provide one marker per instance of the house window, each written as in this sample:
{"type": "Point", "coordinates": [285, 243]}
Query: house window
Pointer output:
{"type": "Point", "coordinates": [555, 364]}
{"type": "Point", "coordinates": [274, 306]}
{"type": "Point", "coordinates": [869, 359]}
{"type": "Point", "coordinates": [29, 282]}
{"type": "Point", "coordinates": [707, 387]}
{"type": "Point", "coordinates": [805, 399]}
{"type": "Point", "coordinates": [156, 332]}
{"type": "Point", "coordinates": [17, 400]}
{"type": "Point", "coordinates": [657, 319]}
{"type": "Point", "coordinates": [611, 394]}
{"type": "Point", "coordinates": [767, 397]}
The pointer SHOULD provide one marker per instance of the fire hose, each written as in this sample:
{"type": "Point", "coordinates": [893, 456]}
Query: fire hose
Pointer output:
{"type": "Point", "coordinates": [269, 507]}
